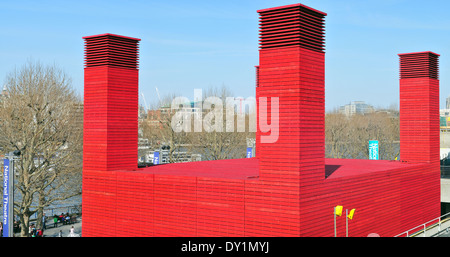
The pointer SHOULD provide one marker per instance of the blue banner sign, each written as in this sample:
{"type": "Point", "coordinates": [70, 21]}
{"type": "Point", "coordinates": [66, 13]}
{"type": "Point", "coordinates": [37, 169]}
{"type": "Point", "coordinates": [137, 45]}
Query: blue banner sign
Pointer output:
{"type": "Point", "coordinates": [6, 199]}
{"type": "Point", "coordinates": [249, 152]}
{"type": "Point", "coordinates": [373, 150]}
{"type": "Point", "coordinates": [156, 158]}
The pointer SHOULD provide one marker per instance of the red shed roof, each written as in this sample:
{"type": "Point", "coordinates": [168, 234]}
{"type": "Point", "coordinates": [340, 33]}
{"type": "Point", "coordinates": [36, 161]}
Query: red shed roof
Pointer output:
{"type": "Point", "coordinates": [336, 168]}
{"type": "Point", "coordinates": [249, 168]}
{"type": "Point", "coordinates": [231, 169]}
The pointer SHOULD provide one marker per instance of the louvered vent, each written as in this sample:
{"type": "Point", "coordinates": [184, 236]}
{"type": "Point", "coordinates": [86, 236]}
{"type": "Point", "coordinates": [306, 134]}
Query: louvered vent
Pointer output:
{"type": "Point", "coordinates": [292, 25]}
{"type": "Point", "coordinates": [419, 65]}
{"type": "Point", "coordinates": [110, 49]}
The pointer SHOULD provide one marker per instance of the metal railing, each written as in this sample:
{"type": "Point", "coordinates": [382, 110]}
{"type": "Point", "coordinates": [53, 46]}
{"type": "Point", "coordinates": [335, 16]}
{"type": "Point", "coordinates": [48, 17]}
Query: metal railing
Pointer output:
{"type": "Point", "coordinates": [437, 222]}
{"type": "Point", "coordinates": [49, 212]}
{"type": "Point", "coordinates": [61, 209]}
{"type": "Point", "coordinates": [445, 171]}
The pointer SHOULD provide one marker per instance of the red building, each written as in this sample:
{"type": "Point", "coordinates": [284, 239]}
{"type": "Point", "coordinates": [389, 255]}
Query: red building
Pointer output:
{"type": "Point", "coordinates": [289, 189]}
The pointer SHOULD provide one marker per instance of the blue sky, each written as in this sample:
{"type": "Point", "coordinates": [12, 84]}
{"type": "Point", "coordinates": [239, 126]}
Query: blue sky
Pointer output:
{"type": "Point", "coordinates": [201, 44]}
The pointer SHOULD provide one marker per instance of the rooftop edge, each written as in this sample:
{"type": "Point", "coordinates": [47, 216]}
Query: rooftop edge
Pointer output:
{"type": "Point", "coordinates": [109, 34]}
{"type": "Point", "coordinates": [424, 52]}
{"type": "Point", "coordinates": [291, 5]}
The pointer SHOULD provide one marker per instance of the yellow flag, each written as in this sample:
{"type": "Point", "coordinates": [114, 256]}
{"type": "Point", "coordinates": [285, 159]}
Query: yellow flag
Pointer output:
{"type": "Point", "coordinates": [350, 215]}
{"type": "Point", "coordinates": [338, 210]}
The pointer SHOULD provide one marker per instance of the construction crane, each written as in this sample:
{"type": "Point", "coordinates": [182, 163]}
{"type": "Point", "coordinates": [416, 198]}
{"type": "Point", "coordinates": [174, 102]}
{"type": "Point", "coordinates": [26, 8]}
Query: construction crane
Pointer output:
{"type": "Point", "coordinates": [159, 97]}
{"type": "Point", "coordinates": [145, 102]}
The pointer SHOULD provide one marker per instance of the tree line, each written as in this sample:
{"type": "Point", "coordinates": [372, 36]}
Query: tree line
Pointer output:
{"type": "Point", "coordinates": [348, 137]}
{"type": "Point", "coordinates": [212, 144]}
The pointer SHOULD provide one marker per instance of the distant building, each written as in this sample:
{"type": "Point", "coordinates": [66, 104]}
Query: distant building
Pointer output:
{"type": "Point", "coordinates": [447, 103]}
{"type": "Point", "coordinates": [356, 107]}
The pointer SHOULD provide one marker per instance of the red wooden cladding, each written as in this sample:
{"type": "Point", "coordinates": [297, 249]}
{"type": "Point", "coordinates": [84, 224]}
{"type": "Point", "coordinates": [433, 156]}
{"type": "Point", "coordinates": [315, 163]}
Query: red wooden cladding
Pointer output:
{"type": "Point", "coordinates": [110, 117]}
{"type": "Point", "coordinates": [176, 205]}
{"type": "Point", "coordinates": [289, 189]}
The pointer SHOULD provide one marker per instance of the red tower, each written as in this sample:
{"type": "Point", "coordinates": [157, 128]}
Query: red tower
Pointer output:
{"type": "Point", "coordinates": [419, 107]}
{"type": "Point", "coordinates": [419, 119]}
{"type": "Point", "coordinates": [110, 118]}
{"type": "Point", "coordinates": [111, 102]}
{"type": "Point", "coordinates": [291, 70]}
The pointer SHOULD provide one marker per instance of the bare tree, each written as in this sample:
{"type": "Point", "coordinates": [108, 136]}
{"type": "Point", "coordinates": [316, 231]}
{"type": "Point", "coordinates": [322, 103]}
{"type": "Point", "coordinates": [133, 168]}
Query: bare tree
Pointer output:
{"type": "Point", "coordinates": [220, 143]}
{"type": "Point", "coordinates": [348, 137]}
{"type": "Point", "coordinates": [210, 143]}
{"type": "Point", "coordinates": [42, 118]}
{"type": "Point", "coordinates": [157, 128]}
{"type": "Point", "coordinates": [337, 135]}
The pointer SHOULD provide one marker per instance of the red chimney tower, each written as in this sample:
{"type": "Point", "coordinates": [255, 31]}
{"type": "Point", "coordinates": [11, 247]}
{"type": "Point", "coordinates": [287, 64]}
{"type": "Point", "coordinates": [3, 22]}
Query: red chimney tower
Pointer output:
{"type": "Point", "coordinates": [292, 69]}
{"type": "Point", "coordinates": [110, 102]}
{"type": "Point", "coordinates": [291, 73]}
{"type": "Point", "coordinates": [110, 124]}
{"type": "Point", "coordinates": [419, 107]}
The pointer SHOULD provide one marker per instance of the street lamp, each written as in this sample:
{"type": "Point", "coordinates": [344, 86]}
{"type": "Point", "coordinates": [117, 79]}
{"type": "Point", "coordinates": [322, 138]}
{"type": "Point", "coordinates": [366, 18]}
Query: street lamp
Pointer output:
{"type": "Point", "coordinates": [8, 193]}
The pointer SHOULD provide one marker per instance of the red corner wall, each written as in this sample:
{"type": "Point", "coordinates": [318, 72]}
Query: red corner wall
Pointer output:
{"type": "Point", "coordinates": [282, 192]}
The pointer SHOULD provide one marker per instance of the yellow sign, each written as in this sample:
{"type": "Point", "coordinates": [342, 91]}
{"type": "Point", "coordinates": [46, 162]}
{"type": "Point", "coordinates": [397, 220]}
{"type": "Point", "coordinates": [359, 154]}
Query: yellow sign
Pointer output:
{"type": "Point", "coordinates": [350, 215]}
{"type": "Point", "coordinates": [338, 210]}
